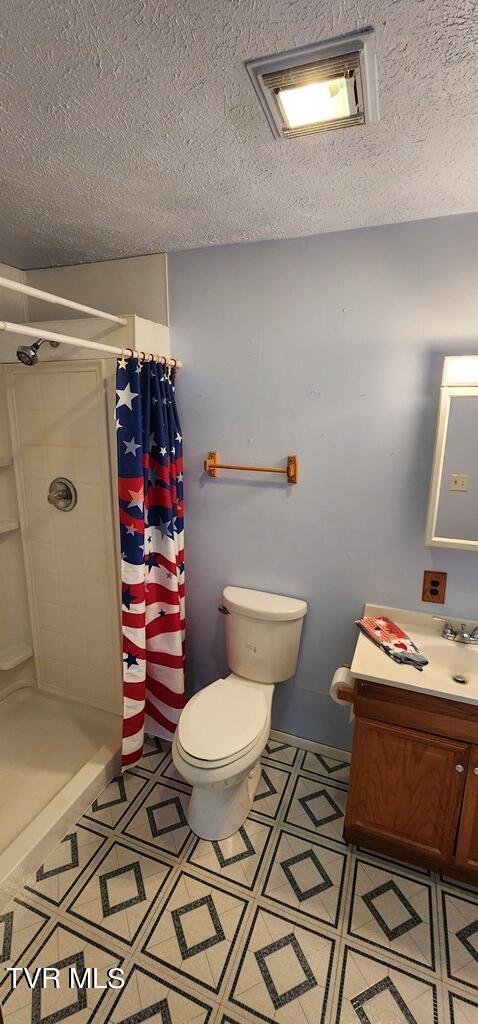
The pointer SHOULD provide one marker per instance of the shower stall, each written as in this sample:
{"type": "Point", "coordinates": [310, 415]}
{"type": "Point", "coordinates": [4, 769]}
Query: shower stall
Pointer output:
{"type": "Point", "coordinates": [60, 634]}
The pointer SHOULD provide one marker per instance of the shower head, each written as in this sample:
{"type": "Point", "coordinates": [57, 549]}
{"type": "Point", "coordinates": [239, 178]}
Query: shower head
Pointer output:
{"type": "Point", "coordinates": [28, 354]}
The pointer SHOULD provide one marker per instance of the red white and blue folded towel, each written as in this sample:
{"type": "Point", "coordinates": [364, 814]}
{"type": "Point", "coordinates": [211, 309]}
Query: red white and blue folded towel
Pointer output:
{"type": "Point", "coordinates": [391, 640]}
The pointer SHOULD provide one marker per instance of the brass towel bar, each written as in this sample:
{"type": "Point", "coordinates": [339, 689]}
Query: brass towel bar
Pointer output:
{"type": "Point", "coordinates": [211, 465]}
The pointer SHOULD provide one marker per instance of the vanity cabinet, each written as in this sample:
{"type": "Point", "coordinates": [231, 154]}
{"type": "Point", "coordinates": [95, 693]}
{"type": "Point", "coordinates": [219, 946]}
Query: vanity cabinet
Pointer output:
{"type": "Point", "coordinates": [414, 781]}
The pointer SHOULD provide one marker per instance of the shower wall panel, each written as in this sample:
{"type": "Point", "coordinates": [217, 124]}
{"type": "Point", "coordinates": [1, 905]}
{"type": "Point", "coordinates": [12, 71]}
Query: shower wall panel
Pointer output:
{"type": "Point", "coordinates": [15, 626]}
{"type": "Point", "coordinates": [60, 428]}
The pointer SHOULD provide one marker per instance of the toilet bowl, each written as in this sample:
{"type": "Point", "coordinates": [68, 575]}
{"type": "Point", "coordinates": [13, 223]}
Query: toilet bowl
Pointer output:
{"type": "Point", "coordinates": [224, 728]}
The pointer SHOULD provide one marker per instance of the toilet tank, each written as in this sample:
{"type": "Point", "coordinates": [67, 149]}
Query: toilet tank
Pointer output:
{"type": "Point", "coordinates": [262, 633]}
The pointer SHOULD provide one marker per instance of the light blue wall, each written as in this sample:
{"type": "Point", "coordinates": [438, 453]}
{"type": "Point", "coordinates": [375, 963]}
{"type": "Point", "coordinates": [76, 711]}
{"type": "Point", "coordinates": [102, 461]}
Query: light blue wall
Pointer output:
{"type": "Point", "coordinates": [331, 347]}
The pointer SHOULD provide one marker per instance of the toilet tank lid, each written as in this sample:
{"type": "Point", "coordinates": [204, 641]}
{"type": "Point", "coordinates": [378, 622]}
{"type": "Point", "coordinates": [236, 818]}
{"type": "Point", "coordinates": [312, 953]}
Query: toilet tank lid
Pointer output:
{"type": "Point", "coordinates": [257, 604]}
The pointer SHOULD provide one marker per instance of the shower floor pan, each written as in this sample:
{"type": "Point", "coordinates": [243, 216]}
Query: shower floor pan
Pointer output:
{"type": "Point", "coordinates": [55, 756]}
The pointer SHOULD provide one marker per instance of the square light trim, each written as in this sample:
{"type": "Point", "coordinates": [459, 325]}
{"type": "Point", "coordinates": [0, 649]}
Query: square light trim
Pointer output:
{"type": "Point", "coordinates": [318, 88]}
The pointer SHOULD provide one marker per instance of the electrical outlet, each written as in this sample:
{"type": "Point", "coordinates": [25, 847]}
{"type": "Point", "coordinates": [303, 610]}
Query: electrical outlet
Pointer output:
{"type": "Point", "coordinates": [459, 482]}
{"type": "Point", "coordinates": [434, 586]}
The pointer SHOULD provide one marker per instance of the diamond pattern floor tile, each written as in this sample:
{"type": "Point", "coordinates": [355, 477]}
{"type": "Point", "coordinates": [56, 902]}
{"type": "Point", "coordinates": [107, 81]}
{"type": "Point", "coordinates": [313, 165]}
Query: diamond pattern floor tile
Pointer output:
{"type": "Point", "coordinates": [248, 929]}
{"type": "Point", "coordinates": [120, 892]}
{"type": "Point", "coordinates": [112, 804]}
{"type": "Point", "coordinates": [307, 877]}
{"type": "Point", "coordinates": [461, 1009]}
{"type": "Point", "coordinates": [325, 767]}
{"type": "Point", "coordinates": [417, 869]}
{"type": "Point", "coordinates": [282, 753]}
{"type": "Point", "coordinates": [460, 934]}
{"type": "Point", "coordinates": [154, 753]}
{"type": "Point", "coordinates": [453, 883]}
{"type": "Point", "coordinates": [168, 771]}
{"type": "Point", "coordinates": [270, 791]}
{"type": "Point", "coordinates": [394, 912]}
{"type": "Point", "coordinates": [317, 808]}
{"type": "Point", "coordinates": [56, 877]}
{"type": "Point", "coordinates": [195, 932]}
{"type": "Point", "coordinates": [160, 820]}
{"type": "Point", "coordinates": [64, 948]}
{"type": "Point", "coordinates": [20, 925]}
{"type": "Point", "coordinates": [236, 859]}
{"type": "Point", "coordinates": [373, 990]}
{"type": "Point", "coordinates": [147, 996]}
{"type": "Point", "coordinates": [284, 972]}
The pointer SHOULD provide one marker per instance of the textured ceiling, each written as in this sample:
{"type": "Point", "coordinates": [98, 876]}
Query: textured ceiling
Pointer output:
{"type": "Point", "coordinates": [131, 127]}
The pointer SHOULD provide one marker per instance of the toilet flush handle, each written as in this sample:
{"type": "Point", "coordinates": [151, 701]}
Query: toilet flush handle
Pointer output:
{"type": "Point", "coordinates": [223, 610]}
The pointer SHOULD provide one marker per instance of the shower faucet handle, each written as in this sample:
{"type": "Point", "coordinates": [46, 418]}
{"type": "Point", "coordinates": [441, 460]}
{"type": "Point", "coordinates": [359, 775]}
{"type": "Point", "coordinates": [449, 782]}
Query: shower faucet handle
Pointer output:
{"type": "Point", "coordinates": [57, 494]}
{"type": "Point", "coordinates": [62, 494]}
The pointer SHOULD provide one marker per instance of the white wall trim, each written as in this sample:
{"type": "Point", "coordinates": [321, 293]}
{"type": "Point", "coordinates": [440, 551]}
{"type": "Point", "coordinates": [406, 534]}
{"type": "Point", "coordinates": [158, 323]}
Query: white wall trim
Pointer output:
{"type": "Point", "coordinates": [316, 748]}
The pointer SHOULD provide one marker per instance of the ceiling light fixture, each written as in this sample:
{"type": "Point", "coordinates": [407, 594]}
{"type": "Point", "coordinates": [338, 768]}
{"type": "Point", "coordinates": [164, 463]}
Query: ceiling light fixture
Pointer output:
{"type": "Point", "coordinates": [318, 88]}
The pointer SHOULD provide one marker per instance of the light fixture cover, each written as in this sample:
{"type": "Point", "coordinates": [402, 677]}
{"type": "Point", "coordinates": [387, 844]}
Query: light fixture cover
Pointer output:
{"type": "Point", "coordinates": [318, 88]}
{"type": "Point", "coordinates": [303, 105]}
{"type": "Point", "coordinates": [460, 371]}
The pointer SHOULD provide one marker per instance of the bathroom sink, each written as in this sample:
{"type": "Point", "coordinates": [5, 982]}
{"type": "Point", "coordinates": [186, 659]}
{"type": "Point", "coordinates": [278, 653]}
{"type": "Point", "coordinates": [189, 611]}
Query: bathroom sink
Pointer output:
{"type": "Point", "coordinates": [446, 658]}
{"type": "Point", "coordinates": [453, 660]}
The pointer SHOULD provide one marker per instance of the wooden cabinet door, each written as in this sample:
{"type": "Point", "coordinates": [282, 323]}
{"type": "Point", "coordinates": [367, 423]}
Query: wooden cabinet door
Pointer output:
{"type": "Point", "coordinates": [467, 848]}
{"type": "Point", "coordinates": [405, 791]}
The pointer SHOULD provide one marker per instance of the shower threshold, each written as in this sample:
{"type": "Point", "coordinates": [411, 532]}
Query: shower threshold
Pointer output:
{"type": "Point", "coordinates": [55, 756]}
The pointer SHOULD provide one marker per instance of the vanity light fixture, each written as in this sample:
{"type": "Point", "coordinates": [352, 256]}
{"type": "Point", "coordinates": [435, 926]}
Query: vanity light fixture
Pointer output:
{"type": "Point", "coordinates": [318, 88]}
{"type": "Point", "coordinates": [460, 371]}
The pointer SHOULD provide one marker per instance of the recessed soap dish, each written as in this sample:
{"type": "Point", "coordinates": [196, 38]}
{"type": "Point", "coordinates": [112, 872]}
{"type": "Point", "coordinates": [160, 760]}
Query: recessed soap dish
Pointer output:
{"type": "Point", "coordinates": [10, 657]}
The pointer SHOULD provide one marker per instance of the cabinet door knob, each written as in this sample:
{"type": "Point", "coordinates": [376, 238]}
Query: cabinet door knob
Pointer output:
{"type": "Point", "coordinates": [460, 768]}
{"type": "Point", "coordinates": [475, 770]}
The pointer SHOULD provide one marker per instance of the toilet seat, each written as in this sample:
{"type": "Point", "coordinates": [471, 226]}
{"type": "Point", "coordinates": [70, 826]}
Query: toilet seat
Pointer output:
{"type": "Point", "coordinates": [197, 762]}
{"type": "Point", "coordinates": [212, 774]}
{"type": "Point", "coordinates": [223, 722]}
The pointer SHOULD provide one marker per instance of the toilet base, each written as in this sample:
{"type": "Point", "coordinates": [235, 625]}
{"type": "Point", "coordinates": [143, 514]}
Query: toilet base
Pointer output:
{"type": "Point", "coordinates": [217, 812]}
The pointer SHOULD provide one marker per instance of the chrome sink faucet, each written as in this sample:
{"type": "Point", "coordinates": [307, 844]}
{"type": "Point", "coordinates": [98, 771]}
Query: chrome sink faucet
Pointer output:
{"type": "Point", "coordinates": [462, 635]}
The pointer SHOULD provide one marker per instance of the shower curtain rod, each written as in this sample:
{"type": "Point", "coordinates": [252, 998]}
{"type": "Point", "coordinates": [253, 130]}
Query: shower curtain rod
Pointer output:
{"type": "Point", "coordinates": [56, 300]}
{"type": "Point", "coordinates": [67, 339]}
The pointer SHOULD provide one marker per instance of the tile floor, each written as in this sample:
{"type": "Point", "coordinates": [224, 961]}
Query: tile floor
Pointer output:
{"type": "Point", "coordinates": [283, 922]}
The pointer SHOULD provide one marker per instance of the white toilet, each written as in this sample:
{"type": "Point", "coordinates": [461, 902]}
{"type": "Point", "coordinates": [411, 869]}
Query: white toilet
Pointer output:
{"type": "Point", "coordinates": [224, 728]}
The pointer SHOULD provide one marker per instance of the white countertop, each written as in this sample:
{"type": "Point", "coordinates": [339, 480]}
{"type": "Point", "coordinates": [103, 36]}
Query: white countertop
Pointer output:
{"type": "Point", "coordinates": [446, 658]}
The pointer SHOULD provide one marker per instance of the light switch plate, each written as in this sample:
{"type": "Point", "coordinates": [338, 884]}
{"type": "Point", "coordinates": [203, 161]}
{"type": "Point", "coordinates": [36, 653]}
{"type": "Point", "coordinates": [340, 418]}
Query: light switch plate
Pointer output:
{"type": "Point", "coordinates": [459, 482]}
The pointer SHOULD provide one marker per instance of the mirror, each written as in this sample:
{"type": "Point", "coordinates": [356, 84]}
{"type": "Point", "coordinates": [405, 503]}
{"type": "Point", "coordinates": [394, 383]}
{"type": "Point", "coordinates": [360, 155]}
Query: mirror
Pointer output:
{"type": "Point", "coordinates": [452, 520]}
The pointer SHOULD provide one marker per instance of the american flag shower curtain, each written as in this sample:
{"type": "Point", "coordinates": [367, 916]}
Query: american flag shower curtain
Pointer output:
{"type": "Point", "coordinates": [150, 489]}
